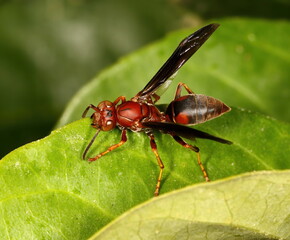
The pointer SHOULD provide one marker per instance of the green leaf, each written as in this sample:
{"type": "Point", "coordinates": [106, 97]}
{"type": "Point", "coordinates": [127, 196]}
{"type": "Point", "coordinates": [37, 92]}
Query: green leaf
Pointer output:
{"type": "Point", "coordinates": [251, 206]}
{"type": "Point", "coordinates": [245, 63]}
{"type": "Point", "coordinates": [48, 192]}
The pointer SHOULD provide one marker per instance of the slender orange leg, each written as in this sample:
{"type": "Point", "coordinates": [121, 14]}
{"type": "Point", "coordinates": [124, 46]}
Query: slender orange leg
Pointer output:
{"type": "Point", "coordinates": [179, 88]}
{"type": "Point", "coordinates": [193, 148]}
{"type": "Point", "coordinates": [123, 140]}
{"type": "Point", "coordinates": [160, 163]}
{"type": "Point", "coordinates": [122, 98]}
{"type": "Point", "coordinates": [156, 97]}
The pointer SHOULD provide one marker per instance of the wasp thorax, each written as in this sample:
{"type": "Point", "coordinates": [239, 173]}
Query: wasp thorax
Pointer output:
{"type": "Point", "coordinates": [104, 117]}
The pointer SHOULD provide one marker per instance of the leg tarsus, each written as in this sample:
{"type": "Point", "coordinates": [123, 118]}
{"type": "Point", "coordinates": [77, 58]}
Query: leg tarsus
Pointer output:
{"type": "Point", "coordinates": [195, 149]}
{"type": "Point", "coordinates": [160, 163]}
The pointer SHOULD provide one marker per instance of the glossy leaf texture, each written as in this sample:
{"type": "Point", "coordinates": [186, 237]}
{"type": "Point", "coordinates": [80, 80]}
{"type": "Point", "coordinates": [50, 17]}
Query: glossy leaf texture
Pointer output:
{"type": "Point", "coordinates": [48, 192]}
{"type": "Point", "coordinates": [245, 63]}
{"type": "Point", "coordinates": [251, 206]}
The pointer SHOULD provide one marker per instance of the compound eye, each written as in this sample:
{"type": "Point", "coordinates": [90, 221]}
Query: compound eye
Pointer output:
{"type": "Point", "coordinates": [109, 125]}
{"type": "Point", "coordinates": [109, 104]}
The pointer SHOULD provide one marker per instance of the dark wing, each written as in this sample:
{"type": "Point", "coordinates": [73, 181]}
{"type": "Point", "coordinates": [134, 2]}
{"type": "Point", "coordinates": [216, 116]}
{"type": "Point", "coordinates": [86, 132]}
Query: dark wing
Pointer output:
{"type": "Point", "coordinates": [182, 53]}
{"type": "Point", "coordinates": [183, 131]}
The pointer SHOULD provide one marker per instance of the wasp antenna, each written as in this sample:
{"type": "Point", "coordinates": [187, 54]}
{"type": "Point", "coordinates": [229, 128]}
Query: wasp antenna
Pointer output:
{"type": "Point", "coordinates": [90, 144]}
{"type": "Point", "coordinates": [87, 109]}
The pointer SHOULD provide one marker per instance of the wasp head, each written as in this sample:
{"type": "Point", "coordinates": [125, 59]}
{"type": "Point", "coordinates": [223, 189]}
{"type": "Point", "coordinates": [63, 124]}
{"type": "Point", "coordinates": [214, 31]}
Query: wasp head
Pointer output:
{"type": "Point", "coordinates": [104, 117]}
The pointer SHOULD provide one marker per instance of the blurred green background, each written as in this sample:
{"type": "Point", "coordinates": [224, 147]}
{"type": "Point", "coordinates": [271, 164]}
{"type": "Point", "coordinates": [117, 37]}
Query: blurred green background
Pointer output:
{"type": "Point", "coordinates": [49, 49]}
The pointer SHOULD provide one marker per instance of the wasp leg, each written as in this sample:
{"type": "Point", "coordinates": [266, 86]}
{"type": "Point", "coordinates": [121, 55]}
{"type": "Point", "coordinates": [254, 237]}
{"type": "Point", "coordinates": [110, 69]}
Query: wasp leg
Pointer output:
{"type": "Point", "coordinates": [160, 163]}
{"type": "Point", "coordinates": [123, 140]}
{"type": "Point", "coordinates": [179, 88]}
{"type": "Point", "coordinates": [193, 148]}
{"type": "Point", "coordinates": [156, 97]}
{"type": "Point", "coordinates": [122, 98]}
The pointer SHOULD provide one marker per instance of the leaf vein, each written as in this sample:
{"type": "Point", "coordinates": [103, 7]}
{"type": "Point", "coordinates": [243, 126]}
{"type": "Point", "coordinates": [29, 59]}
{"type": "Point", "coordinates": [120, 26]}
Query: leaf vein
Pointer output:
{"type": "Point", "coordinates": [62, 192]}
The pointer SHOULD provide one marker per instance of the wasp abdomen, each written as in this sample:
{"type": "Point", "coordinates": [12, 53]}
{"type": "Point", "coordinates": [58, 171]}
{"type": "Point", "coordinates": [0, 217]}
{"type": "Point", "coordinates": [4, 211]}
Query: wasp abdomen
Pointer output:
{"type": "Point", "coordinates": [195, 109]}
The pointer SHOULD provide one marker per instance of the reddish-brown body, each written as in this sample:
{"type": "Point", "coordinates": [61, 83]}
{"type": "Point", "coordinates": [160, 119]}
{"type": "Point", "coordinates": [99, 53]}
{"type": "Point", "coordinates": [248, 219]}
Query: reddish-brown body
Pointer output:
{"type": "Point", "coordinates": [131, 115]}
{"type": "Point", "coordinates": [140, 113]}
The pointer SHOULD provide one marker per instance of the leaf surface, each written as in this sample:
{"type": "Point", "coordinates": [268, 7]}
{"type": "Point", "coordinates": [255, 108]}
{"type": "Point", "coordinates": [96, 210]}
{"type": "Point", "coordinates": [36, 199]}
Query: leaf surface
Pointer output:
{"type": "Point", "coordinates": [251, 206]}
{"type": "Point", "coordinates": [48, 191]}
